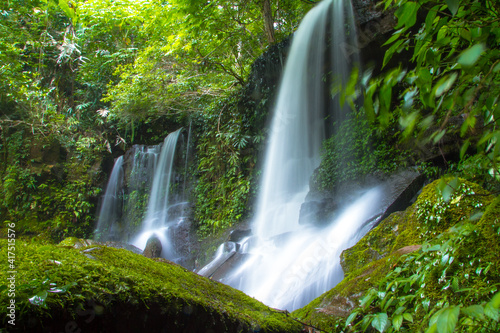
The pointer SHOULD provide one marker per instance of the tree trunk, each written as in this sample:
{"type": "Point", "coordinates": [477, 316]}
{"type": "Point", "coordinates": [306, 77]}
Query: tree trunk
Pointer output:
{"type": "Point", "coordinates": [268, 21]}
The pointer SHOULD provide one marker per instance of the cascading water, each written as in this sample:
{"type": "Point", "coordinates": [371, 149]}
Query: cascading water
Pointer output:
{"type": "Point", "coordinates": [289, 264]}
{"type": "Point", "coordinates": [149, 173]}
{"type": "Point", "coordinates": [157, 221]}
{"type": "Point", "coordinates": [111, 205]}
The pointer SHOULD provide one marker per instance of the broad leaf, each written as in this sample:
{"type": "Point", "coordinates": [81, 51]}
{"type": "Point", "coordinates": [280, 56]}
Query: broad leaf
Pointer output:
{"type": "Point", "coordinates": [444, 84]}
{"type": "Point", "coordinates": [448, 319]}
{"type": "Point", "coordinates": [408, 317]}
{"type": "Point", "coordinates": [491, 311]}
{"type": "Point", "coordinates": [397, 321]}
{"type": "Point", "coordinates": [380, 321]}
{"type": "Point", "coordinates": [351, 317]}
{"type": "Point", "coordinates": [474, 311]}
{"type": "Point", "coordinates": [407, 14]}
{"type": "Point", "coordinates": [470, 56]}
{"type": "Point", "coordinates": [453, 6]}
{"type": "Point", "coordinates": [495, 301]}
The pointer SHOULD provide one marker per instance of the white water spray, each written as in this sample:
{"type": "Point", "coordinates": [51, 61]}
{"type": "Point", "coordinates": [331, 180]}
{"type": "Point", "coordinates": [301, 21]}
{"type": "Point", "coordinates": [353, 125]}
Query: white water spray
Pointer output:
{"type": "Point", "coordinates": [157, 221]}
{"type": "Point", "coordinates": [291, 263]}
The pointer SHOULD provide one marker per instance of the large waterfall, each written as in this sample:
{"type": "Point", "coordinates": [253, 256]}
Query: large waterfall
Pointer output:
{"type": "Point", "coordinates": [286, 264]}
{"type": "Point", "coordinates": [142, 205]}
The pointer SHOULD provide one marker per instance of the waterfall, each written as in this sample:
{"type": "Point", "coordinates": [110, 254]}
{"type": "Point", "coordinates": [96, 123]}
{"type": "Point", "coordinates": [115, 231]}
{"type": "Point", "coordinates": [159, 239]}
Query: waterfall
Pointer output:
{"type": "Point", "coordinates": [158, 218]}
{"type": "Point", "coordinates": [288, 264]}
{"type": "Point", "coordinates": [138, 201]}
{"type": "Point", "coordinates": [111, 205]}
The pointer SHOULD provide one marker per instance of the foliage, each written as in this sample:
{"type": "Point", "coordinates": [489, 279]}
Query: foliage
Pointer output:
{"type": "Point", "coordinates": [43, 191]}
{"type": "Point", "coordinates": [224, 169]}
{"type": "Point", "coordinates": [184, 54]}
{"type": "Point", "coordinates": [354, 151]}
{"type": "Point", "coordinates": [450, 285]}
{"type": "Point", "coordinates": [454, 73]}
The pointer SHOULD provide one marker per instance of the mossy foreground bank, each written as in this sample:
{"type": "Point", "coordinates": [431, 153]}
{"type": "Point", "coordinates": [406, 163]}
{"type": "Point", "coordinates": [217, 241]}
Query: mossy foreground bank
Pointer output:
{"type": "Point", "coordinates": [102, 289]}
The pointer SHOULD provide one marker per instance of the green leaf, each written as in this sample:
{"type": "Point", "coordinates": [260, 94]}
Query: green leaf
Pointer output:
{"type": "Point", "coordinates": [429, 20]}
{"type": "Point", "coordinates": [453, 6]}
{"type": "Point", "coordinates": [432, 328]}
{"type": "Point", "coordinates": [380, 321]}
{"type": "Point", "coordinates": [397, 321]}
{"type": "Point", "coordinates": [408, 317]}
{"type": "Point", "coordinates": [445, 84]}
{"type": "Point", "coordinates": [495, 301]}
{"type": "Point", "coordinates": [407, 14]}
{"type": "Point", "coordinates": [470, 56]}
{"type": "Point", "coordinates": [475, 311]}
{"type": "Point", "coordinates": [464, 148]}
{"type": "Point", "coordinates": [351, 317]}
{"type": "Point", "coordinates": [388, 54]}
{"type": "Point", "coordinates": [491, 311]}
{"type": "Point", "coordinates": [438, 135]}
{"type": "Point", "coordinates": [448, 319]}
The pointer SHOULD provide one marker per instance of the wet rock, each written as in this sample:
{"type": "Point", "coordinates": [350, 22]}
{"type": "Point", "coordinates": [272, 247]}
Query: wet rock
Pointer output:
{"type": "Point", "coordinates": [399, 188]}
{"type": "Point", "coordinates": [238, 235]}
{"type": "Point", "coordinates": [126, 246]}
{"type": "Point", "coordinates": [319, 212]}
{"type": "Point", "coordinates": [225, 252]}
{"type": "Point", "coordinates": [78, 243]}
{"type": "Point", "coordinates": [153, 248]}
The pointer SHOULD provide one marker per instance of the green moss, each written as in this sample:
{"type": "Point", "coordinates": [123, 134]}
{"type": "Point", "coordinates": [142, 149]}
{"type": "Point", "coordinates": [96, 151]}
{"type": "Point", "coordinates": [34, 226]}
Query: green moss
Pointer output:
{"type": "Point", "coordinates": [398, 230]}
{"type": "Point", "coordinates": [330, 309]}
{"type": "Point", "coordinates": [385, 264]}
{"type": "Point", "coordinates": [122, 282]}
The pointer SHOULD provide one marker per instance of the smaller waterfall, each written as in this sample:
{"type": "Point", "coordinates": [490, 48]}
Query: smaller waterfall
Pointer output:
{"type": "Point", "coordinates": [111, 205]}
{"type": "Point", "coordinates": [160, 214]}
{"type": "Point", "coordinates": [140, 199]}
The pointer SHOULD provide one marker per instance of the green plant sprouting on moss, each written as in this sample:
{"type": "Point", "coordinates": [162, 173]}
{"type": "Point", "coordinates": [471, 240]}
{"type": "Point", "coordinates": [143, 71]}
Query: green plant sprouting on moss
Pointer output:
{"type": "Point", "coordinates": [451, 284]}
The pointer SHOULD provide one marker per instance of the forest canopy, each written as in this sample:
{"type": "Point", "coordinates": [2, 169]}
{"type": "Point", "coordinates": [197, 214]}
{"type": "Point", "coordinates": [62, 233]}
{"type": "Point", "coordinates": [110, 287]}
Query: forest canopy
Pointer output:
{"type": "Point", "coordinates": [80, 79]}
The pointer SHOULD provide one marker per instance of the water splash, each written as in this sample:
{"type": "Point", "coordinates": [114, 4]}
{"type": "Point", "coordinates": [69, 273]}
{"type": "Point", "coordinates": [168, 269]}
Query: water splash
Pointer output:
{"type": "Point", "coordinates": [289, 271]}
{"type": "Point", "coordinates": [289, 264]}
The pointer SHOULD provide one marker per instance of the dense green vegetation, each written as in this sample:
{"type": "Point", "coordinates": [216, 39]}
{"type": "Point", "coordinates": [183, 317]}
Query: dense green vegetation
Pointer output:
{"type": "Point", "coordinates": [82, 81]}
{"type": "Point", "coordinates": [452, 86]}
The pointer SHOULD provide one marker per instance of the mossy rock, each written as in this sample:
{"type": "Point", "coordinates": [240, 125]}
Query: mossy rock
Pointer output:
{"type": "Point", "coordinates": [380, 251]}
{"type": "Point", "coordinates": [102, 289]}
{"type": "Point", "coordinates": [427, 217]}
{"type": "Point", "coordinates": [331, 308]}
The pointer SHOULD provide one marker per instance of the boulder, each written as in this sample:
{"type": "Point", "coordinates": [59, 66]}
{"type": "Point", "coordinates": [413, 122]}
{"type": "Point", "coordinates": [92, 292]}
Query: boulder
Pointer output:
{"type": "Point", "coordinates": [78, 243]}
{"type": "Point", "coordinates": [153, 247]}
{"type": "Point", "coordinates": [399, 189]}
